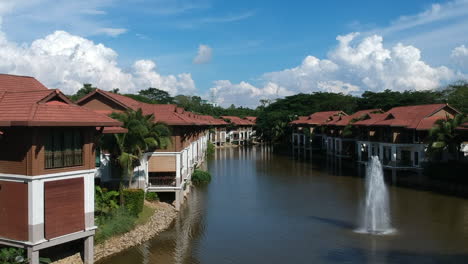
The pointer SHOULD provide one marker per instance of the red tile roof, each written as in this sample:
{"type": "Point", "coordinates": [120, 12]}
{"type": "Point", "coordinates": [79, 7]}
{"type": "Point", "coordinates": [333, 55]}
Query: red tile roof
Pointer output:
{"type": "Point", "coordinates": [345, 120]}
{"type": "Point", "coordinates": [214, 121]}
{"type": "Point", "coordinates": [251, 118]}
{"type": "Point", "coordinates": [166, 113]}
{"type": "Point", "coordinates": [239, 121]}
{"type": "Point", "coordinates": [371, 119]}
{"type": "Point", "coordinates": [419, 117]}
{"type": "Point", "coordinates": [39, 107]}
{"type": "Point", "coordinates": [15, 83]}
{"type": "Point", "coordinates": [319, 118]}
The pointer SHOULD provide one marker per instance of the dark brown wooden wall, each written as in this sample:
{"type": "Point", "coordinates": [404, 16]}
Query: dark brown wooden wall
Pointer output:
{"type": "Point", "coordinates": [100, 103]}
{"type": "Point", "coordinates": [15, 146]}
{"type": "Point", "coordinates": [37, 166]}
{"type": "Point", "coordinates": [14, 210]}
{"type": "Point", "coordinates": [22, 151]}
{"type": "Point", "coordinates": [64, 207]}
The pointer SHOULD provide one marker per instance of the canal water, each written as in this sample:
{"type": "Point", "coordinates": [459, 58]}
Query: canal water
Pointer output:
{"type": "Point", "coordinates": [266, 208]}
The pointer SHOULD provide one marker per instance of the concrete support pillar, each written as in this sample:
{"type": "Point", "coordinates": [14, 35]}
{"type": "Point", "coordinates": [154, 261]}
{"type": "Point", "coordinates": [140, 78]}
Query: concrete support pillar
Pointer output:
{"type": "Point", "coordinates": [88, 257]}
{"type": "Point", "coordinates": [369, 151]}
{"type": "Point", "coordinates": [33, 256]}
{"type": "Point", "coordinates": [381, 154]}
{"type": "Point", "coordinates": [179, 195]}
{"type": "Point", "coordinates": [394, 153]}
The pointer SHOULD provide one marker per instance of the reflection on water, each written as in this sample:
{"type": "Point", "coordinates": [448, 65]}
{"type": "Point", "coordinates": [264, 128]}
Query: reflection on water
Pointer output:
{"type": "Point", "coordinates": [266, 208]}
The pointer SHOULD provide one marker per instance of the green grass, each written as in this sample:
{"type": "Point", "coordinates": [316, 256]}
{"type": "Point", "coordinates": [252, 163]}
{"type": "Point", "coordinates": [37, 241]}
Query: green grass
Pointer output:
{"type": "Point", "coordinates": [119, 222]}
{"type": "Point", "coordinates": [145, 215]}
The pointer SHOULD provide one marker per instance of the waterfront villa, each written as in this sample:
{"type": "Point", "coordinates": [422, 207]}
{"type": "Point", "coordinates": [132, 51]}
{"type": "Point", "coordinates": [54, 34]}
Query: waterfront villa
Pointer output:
{"type": "Point", "coordinates": [47, 166]}
{"type": "Point", "coordinates": [339, 134]}
{"type": "Point", "coordinates": [307, 133]}
{"type": "Point", "coordinates": [398, 136]}
{"type": "Point", "coordinates": [217, 134]}
{"type": "Point", "coordinates": [241, 130]}
{"type": "Point", "coordinates": [160, 170]}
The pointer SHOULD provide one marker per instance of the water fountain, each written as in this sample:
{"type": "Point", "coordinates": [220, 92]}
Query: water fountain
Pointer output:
{"type": "Point", "coordinates": [376, 218]}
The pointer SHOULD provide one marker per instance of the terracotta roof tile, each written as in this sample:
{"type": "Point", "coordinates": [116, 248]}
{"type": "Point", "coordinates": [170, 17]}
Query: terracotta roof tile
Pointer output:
{"type": "Point", "coordinates": [239, 121]}
{"type": "Point", "coordinates": [15, 83]}
{"type": "Point", "coordinates": [251, 118]}
{"type": "Point", "coordinates": [28, 109]}
{"type": "Point", "coordinates": [319, 118]}
{"type": "Point", "coordinates": [169, 114]}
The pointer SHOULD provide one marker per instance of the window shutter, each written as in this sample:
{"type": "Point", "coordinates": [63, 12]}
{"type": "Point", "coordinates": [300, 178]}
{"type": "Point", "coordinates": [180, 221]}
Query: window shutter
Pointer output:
{"type": "Point", "coordinates": [78, 148]}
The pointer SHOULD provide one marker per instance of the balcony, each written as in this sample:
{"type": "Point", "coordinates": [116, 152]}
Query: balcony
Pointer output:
{"type": "Point", "coordinates": [162, 179]}
{"type": "Point", "coordinates": [398, 163]}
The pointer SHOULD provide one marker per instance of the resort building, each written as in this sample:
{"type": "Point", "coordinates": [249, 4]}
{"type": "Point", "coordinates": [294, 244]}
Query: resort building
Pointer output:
{"type": "Point", "coordinates": [240, 131]}
{"type": "Point", "coordinates": [160, 170]}
{"type": "Point", "coordinates": [217, 130]}
{"type": "Point", "coordinates": [339, 135]}
{"type": "Point", "coordinates": [399, 135]}
{"type": "Point", "coordinates": [308, 133]}
{"type": "Point", "coordinates": [47, 166]}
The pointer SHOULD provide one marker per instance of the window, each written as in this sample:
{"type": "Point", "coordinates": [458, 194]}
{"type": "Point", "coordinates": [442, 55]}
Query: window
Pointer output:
{"type": "Point", "coordinates": [98, 157]}
{"type": "Point", "coordinates": [63, 148]}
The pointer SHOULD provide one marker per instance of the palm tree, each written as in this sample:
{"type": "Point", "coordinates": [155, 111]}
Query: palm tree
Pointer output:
{"type": "Point", "coordinates": [444, 137]}
{"type": "Point", "coordinates": [143, 135]}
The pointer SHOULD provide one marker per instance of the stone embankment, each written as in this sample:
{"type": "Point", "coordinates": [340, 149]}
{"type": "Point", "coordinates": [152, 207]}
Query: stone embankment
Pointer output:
{"type": "Point", "coordinates": [161, 220]}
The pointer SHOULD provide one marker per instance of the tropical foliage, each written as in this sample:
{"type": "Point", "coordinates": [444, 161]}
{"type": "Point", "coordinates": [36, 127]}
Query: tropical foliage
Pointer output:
{"type": "Point", "coordinates": [443, 137]}
{"type": "Point", "coordinates": [17, 255]}
{"type": "Point", "coordinates": [201, 177]}
{"type": "Point", "coordinates": [105, 201]}
{"type": "Point", "coordinates": [143, 135]}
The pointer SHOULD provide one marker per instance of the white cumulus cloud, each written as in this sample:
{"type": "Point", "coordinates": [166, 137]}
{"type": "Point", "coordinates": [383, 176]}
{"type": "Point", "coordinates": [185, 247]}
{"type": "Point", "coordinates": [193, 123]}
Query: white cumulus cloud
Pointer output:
{"type": "Point", "coordinates": [204, 55]}
{"type": "Point", "coordinates": [460, 56]}
{"type": "Point", "coordinates": [65, 61]}
{"type": "Point", "coordinates": [352, 67]}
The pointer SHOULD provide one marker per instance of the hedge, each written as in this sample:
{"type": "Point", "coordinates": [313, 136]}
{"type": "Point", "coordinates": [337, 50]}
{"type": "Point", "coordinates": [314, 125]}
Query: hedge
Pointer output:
{"type": "Point", "coordinates": [201, 177]}
{"type": "Point", "coordinates": [133, 200]}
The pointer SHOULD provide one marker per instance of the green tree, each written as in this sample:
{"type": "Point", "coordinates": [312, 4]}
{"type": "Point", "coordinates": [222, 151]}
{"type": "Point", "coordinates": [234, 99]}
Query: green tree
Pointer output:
{"type": "Point", "coordinates": [87, 88]}
{"type": "Point", "coordinates": [444, 137]}
{"type": "Point", "coordinates": [457, 95]}
{"type": "Point", "coordinates": [157, 96]}
{"type": "Point", "coordinates": [143, 135]}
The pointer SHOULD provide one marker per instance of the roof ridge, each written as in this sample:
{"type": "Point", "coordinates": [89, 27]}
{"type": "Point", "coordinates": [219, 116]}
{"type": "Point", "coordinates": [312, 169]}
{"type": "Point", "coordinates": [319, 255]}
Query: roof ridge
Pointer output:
{"type": "Point", "coordinates": [23, 76]}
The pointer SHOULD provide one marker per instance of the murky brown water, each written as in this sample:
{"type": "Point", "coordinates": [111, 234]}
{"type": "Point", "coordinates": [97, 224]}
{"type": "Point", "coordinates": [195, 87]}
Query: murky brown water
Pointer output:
{"type": "Point", "coordinates": [266, 208]}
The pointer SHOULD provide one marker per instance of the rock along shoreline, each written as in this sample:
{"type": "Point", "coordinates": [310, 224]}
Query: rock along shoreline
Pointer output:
{"type": "Point", "coordinates": [161, 219]}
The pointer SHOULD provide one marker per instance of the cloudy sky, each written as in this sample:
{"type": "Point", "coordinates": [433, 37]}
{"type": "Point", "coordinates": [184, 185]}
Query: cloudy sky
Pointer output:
{"type": "Point", "coordinates": [236, 51]}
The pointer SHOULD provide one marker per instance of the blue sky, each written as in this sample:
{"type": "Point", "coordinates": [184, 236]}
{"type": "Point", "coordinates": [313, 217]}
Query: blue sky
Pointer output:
{"type": "Point", "coordinates": [250, 49]}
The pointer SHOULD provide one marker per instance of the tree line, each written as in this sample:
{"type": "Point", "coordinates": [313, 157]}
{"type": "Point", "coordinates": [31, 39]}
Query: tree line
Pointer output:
{"type": "Point", "coordinates": [274, 116]}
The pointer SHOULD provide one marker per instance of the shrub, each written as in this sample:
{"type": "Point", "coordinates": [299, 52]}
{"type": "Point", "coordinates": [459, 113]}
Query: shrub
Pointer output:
{"type": "Point", "coordinates": [210, 150]}
{"type": "Point", "coordinates": [118, 222]}
{"type": "Point", "coordinates": [201, 177]}
{"type": "Point", "coordinates": [151, 196]}
{"type": "Point", "coordinates": [17, 255]}
{"type": "Point", "coordinates": [133, 200]}
{"type": "Point", "coordinates": [105, 201]}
